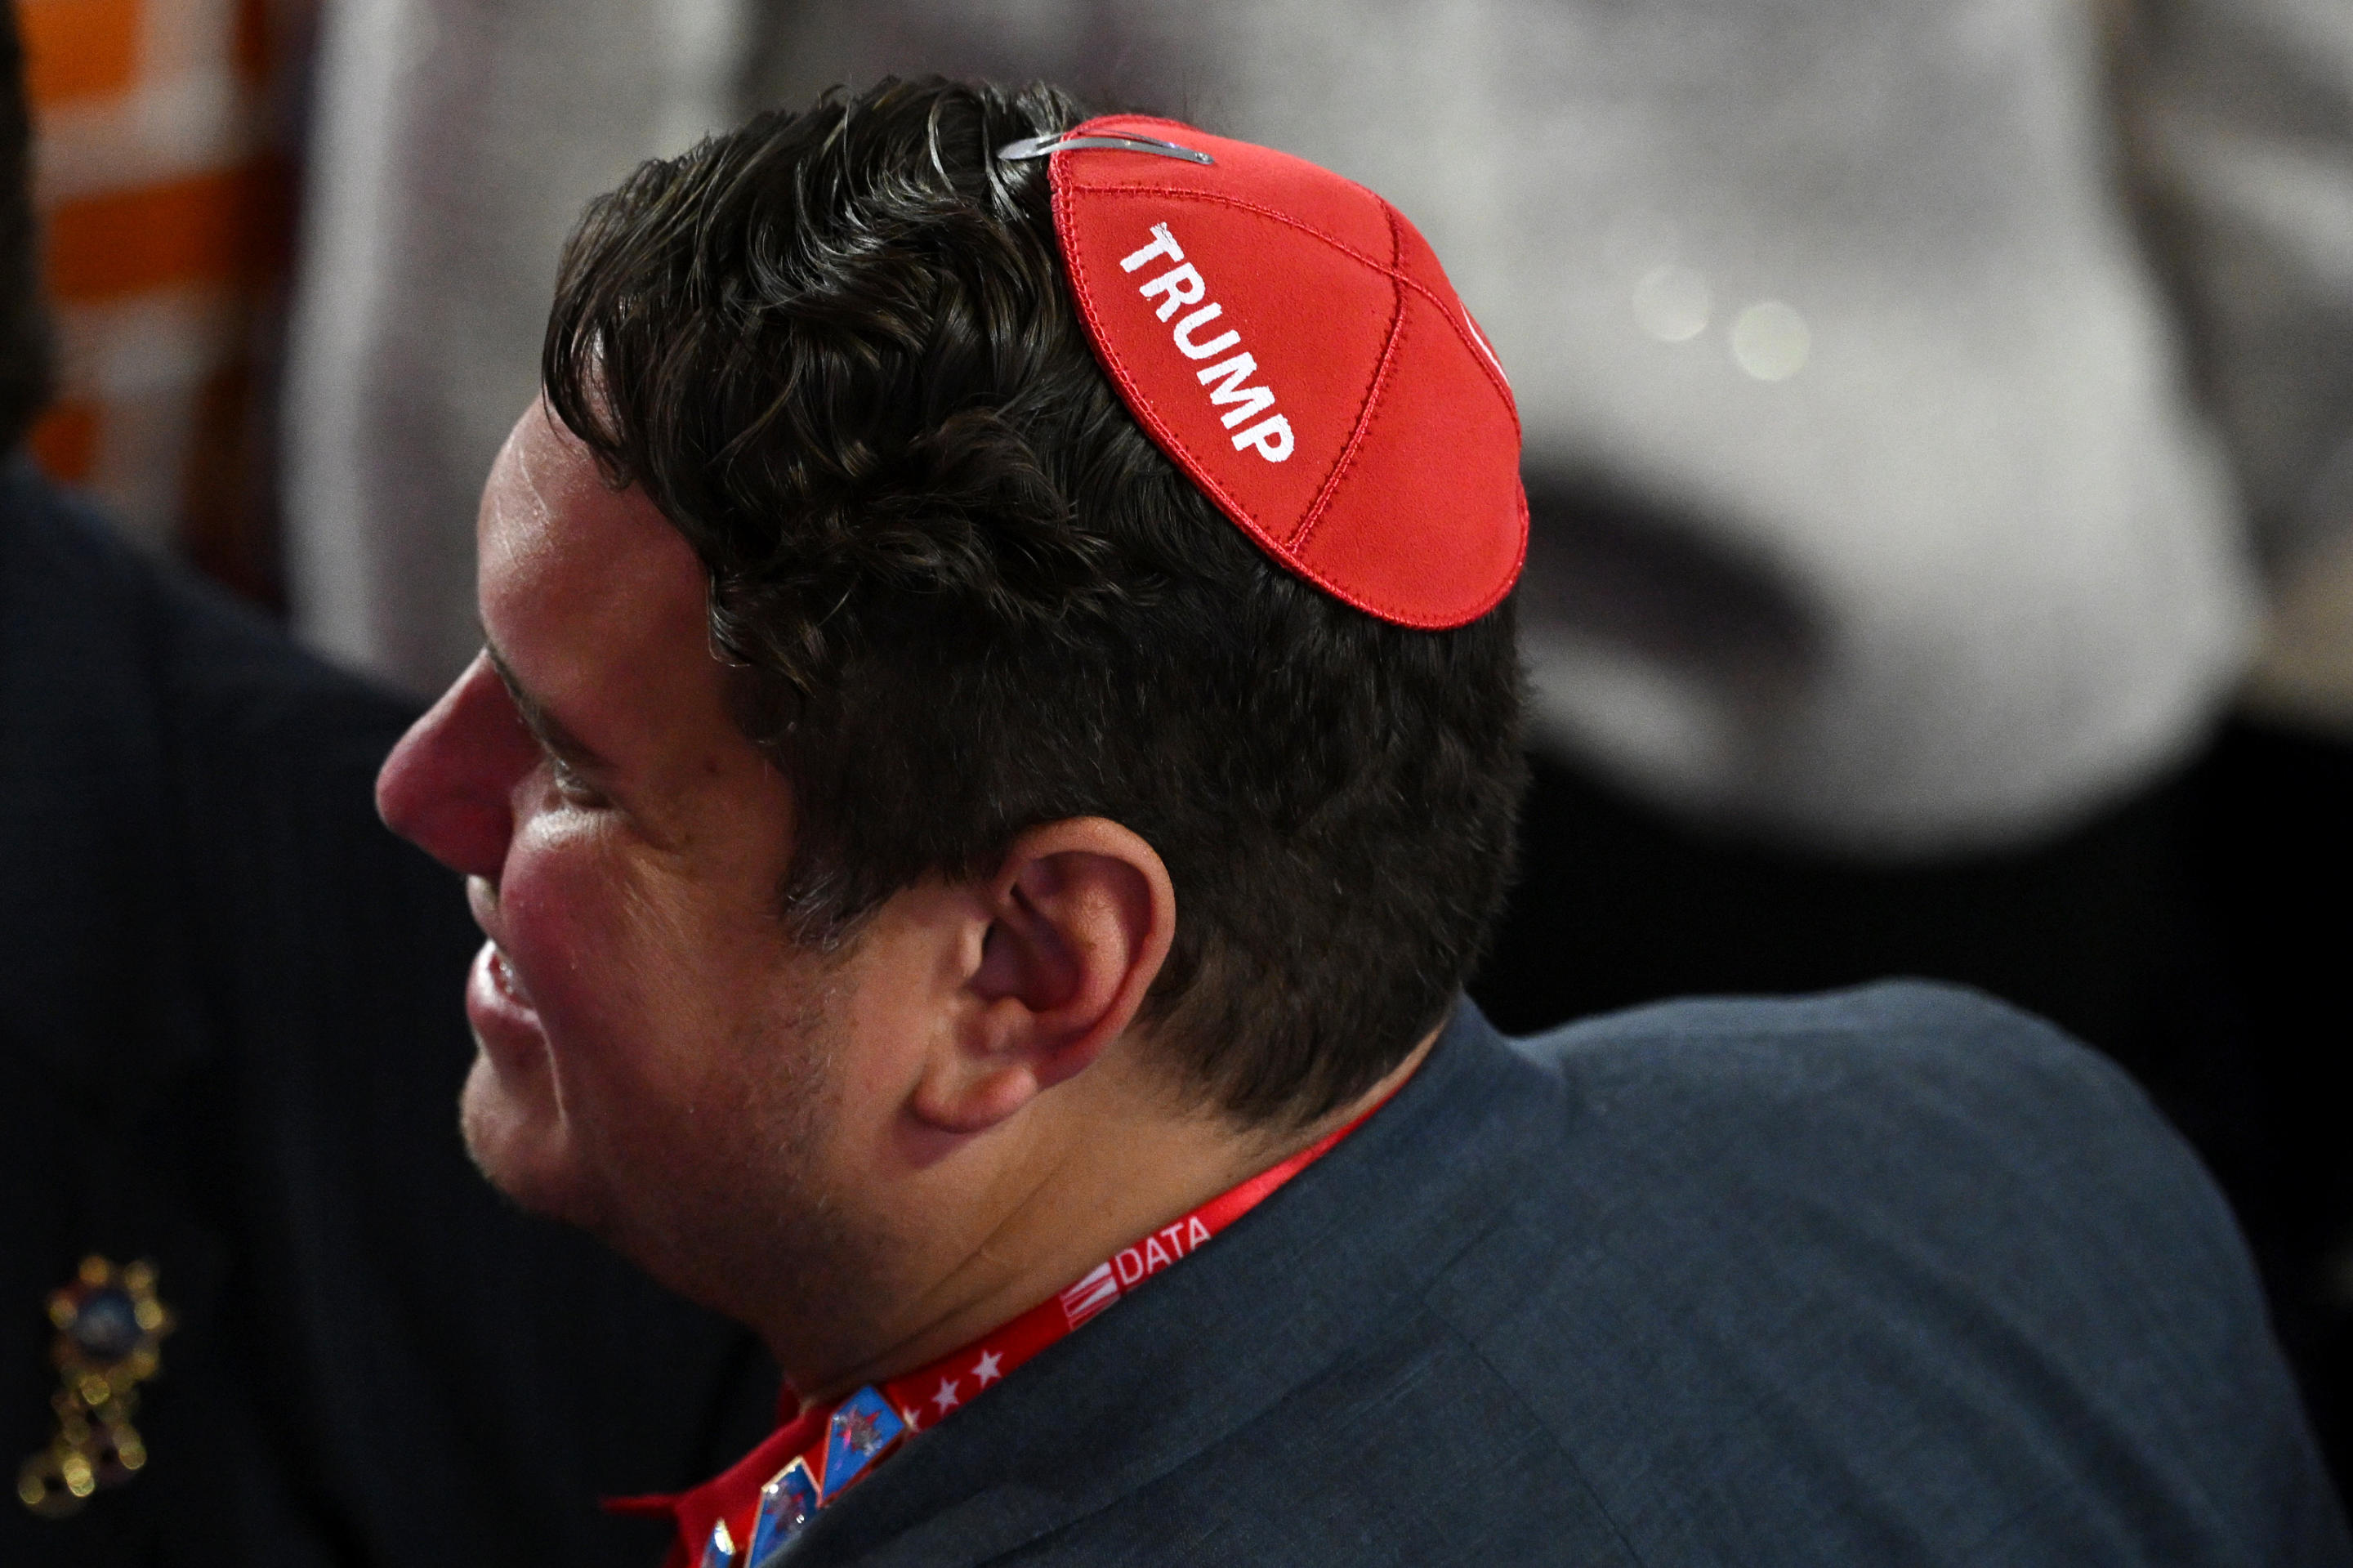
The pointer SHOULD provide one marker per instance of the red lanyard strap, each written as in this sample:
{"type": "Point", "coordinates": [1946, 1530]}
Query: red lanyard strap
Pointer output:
{"type": "Point", "coordinates": [746, 1516]}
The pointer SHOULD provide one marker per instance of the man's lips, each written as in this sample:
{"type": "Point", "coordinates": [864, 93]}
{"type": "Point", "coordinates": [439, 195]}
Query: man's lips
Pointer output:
{"type": "Point", "coordinates": [497, 1005]}
{"type": "Point", "coordinates": [493, 989]}
{"type": "Point", "coordinates": [503, 976]}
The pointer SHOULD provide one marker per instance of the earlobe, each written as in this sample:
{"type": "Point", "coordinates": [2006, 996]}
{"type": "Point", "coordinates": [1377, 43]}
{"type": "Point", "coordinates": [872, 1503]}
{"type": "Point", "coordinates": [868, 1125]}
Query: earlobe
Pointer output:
{"type": "Point", "coordinates": [972, 1100]}
{"type": "Point", "coordinates": [1081, 916]}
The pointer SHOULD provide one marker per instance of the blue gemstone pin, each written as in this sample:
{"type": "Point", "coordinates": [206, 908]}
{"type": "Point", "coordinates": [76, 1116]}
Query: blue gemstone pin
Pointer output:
{"type": "Point", "coordinates": [786, 1503]}
{"type": "Point", "coordinates": [863, 1428]}
{"type": "Point", "coordinates": [719, 1552]}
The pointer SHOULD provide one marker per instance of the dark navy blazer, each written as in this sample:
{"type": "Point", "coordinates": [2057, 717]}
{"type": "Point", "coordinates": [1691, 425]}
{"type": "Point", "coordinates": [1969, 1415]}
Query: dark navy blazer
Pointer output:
{"type": "Point", "coordinates": [231, 1041]}
{"type": "Point", "coordinates": [1896, 1275]}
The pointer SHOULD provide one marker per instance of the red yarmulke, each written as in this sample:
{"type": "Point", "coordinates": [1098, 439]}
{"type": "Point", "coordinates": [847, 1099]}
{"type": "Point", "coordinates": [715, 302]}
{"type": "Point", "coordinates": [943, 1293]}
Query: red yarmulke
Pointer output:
{"type": "Point", "coordinates": [1291, 340]}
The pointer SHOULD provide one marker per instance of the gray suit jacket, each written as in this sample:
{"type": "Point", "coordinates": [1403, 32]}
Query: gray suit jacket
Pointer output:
{"type": "Point", "coordinates": [1896, 1275]}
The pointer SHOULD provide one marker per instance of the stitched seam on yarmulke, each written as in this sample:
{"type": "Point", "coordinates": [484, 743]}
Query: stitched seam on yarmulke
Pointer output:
{"type": "Point", "coordinates": [1495, 378]}
{"type": "Point", "coordinates": [1364, 410]}
{"type": "Point", "coordinates": [1241, 516]}
{"type": "Point", "coordinates": [1138, 406]}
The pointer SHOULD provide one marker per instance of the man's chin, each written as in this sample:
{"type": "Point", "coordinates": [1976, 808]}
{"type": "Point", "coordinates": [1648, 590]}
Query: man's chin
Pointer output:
{"type": "Point", "coordinates": [523, 1148]}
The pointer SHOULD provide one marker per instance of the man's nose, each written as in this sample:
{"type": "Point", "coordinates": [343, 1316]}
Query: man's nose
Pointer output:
{"type": "Point", "coordinates": [449, 785]}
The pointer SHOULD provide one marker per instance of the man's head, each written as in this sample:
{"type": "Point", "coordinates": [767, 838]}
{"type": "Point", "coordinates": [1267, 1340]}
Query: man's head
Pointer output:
{"type": "Point", "coordinates": [875, 691]}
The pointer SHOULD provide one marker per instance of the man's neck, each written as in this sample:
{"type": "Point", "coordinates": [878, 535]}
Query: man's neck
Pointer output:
{"type": "Point", "coordinates": [1117, 1165]}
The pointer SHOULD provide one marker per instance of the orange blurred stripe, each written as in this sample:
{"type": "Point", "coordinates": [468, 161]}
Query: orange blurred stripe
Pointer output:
{"type": "Point", "coordinates": [65, 442]}
{"type": "Point", "coordinates": [78, 48]}
{"type": "Point", "coordinates": [229, 226]}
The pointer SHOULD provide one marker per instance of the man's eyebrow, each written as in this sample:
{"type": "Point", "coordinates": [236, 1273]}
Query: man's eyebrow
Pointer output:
{"type": "Point", "coordinates": [545, 726]}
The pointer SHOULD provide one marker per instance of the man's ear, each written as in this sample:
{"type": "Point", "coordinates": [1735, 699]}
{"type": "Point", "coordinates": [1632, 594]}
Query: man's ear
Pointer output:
{"type": "Point", "coordinates": [1081, 915]}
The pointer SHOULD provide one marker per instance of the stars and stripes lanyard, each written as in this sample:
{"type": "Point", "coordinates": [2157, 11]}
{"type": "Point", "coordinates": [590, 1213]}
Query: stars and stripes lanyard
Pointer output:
{"type": "Point", "coordinates": [745, 1516]}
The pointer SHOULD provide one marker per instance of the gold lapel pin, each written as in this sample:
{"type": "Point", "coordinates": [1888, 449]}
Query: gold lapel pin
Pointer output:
{"type": "Point", "coordinates": [109, 1323]}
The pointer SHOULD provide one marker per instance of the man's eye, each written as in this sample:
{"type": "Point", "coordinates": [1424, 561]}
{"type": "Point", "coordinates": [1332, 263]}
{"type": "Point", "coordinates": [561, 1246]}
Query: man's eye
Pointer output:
{"type": "Point", "coordinates": [576, 789]}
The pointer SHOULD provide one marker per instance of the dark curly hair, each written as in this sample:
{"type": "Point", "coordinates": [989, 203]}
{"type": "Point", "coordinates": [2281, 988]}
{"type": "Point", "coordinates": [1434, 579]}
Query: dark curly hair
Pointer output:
{"type": "Point", "coordinates": [836, 348]}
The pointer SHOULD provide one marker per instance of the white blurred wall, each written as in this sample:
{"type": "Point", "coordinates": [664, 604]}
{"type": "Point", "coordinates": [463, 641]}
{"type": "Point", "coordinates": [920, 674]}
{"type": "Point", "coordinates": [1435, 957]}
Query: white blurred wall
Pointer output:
{"type": "Point", "coordinates": [1874, 511]}
{"type": "Point", "coordinates": [454, 143]}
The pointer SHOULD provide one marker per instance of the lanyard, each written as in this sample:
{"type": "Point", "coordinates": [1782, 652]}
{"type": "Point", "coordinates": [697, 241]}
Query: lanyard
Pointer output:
{"type": "Point", "coordinates": [744, 1517]}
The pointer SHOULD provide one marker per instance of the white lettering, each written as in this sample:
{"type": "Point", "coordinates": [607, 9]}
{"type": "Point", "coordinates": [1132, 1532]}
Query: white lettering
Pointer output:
{"type": "Point", "coordinates": [1230, 375]}
{"type": "Point", "coordinates": [1163, 244]}
{"type": "Point", "coordinates": [1216, 345]}
{"type": "Point", "coordinates": [1180, 286]}
{"type": "Point", "coordinates": [1200, 1233]}
{"type": "Point", "coordinates": [1130, 1266]}
{"type": "Point", "coordinates": [1156, 1256]}
{"type": "Point", "coordinates": [1271, 437]}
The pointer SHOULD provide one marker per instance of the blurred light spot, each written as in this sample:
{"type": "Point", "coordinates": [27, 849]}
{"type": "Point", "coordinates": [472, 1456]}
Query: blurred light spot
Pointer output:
{"type": "Point", "coordinates": [1770, 341]}
{"type": "Point", "coordinates": [1671, 303]}
{"type": "Point", "coordinates": [1637, 241]}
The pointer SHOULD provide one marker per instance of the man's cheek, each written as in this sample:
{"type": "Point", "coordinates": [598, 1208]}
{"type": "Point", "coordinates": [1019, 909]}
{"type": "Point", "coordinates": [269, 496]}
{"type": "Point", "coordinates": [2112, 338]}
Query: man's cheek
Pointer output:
{"type": "Point", "coordinates": [566, 930]}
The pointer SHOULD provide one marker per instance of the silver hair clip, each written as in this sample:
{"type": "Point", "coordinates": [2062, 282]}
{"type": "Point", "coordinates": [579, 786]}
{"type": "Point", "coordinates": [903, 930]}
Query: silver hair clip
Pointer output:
{"type": "Point", "coordinates": [1039, 146]}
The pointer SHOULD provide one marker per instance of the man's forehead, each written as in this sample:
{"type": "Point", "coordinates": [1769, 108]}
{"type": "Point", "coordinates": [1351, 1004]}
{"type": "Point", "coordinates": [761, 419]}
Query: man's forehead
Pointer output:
{"type": "Point", "coordinates": [547, 512]}
{"type": "Point", "coordinates": [545, 484]}
{"type": "Point", "coordinates": [574, 573]}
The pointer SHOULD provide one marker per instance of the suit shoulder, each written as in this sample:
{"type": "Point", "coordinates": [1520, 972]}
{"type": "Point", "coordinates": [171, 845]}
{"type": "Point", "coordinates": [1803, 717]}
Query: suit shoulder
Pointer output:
{"type": "Point", "coordinates": [1902, 1106]}
{"type": "Point", "coordinates": [90, 611]}
{"type": "Point", "coordinates": [1933, 1056]}
{"type": "Point", "coordinates": [1903, 1234]}
{"type": "Point", "coordinates": [178, 752]}
{"type": "Point", "coordinates": [1930, 1015]}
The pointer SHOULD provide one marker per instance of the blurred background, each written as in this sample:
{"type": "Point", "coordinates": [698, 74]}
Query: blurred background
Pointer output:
{"type": "Point", "coordinates": [1938, 414]}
